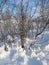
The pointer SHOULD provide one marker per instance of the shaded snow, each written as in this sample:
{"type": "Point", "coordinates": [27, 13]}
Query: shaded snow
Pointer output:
{"type": "Point", "coordinates": [37, 55]}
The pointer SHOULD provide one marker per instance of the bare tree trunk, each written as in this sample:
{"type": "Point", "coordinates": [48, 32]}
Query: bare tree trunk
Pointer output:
{"type": "Point", "coordinates": [22, 33]}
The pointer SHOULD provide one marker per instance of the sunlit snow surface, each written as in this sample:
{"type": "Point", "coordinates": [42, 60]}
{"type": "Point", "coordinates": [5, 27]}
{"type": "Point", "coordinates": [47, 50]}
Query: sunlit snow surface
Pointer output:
{"type": "Point", "coordinates": [37, 55]}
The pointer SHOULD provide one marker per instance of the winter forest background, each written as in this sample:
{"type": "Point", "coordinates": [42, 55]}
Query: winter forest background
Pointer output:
{"type": "Point", "coordinates": [24, 32]}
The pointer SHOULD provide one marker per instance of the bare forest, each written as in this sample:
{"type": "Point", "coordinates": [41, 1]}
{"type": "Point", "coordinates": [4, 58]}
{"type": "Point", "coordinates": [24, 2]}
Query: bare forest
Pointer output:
{"type": "Point", "coordinates": [25, 20]}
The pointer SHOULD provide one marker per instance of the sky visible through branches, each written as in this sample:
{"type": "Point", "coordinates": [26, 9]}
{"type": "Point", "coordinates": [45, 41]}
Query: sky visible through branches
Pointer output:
{"type": "Point", "coordinates": [24, 32]}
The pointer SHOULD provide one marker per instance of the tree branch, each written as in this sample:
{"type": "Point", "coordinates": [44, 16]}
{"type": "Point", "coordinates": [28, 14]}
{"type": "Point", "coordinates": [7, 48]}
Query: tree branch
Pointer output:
{"type": "Point", "coordinates": [43, 29]}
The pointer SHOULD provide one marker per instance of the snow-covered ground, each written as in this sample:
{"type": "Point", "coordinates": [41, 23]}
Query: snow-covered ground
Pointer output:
{"type": "Point", "coordinates": [37, 55]}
